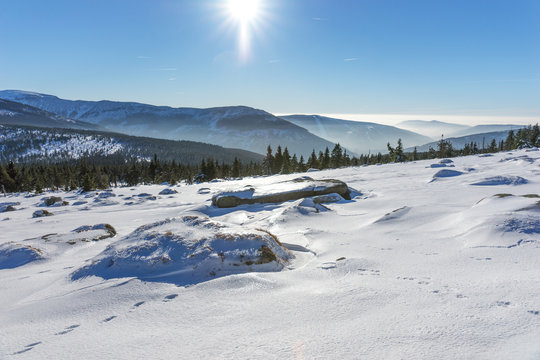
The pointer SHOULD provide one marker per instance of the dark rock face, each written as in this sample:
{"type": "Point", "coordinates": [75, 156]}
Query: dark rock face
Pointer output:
{"type": "Point", "coordinates": [296, 189]}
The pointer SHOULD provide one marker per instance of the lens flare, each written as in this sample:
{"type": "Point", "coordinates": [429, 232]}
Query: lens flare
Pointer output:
{"type": "Point", "coordinates": [244, 11]}
{"type": "Point", "coordinates": [246, 17]}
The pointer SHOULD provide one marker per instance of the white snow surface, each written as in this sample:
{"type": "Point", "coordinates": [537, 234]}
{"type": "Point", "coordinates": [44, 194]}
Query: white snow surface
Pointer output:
{"type": "Point", "coordinates": [410, 268]}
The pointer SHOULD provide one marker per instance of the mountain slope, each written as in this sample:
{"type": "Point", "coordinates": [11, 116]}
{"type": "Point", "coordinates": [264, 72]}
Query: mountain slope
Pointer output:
{"type": "Point", "coordinates": [482, 129]}
{"type": "Point", "coordinates": [433, 128]}
{"type": "Point", "coordinates": [42, 144]}
{"type": "Point", "coordinates": [359, 137]}
{"type": "Point", "coordinates": [14, 113]}
{"type": "Point", "coordinates": [237, 126]}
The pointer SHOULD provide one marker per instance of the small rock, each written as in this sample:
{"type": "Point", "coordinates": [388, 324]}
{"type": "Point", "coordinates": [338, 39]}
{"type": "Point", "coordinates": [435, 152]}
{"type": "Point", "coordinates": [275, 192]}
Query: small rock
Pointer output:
{"type": "Point", "coordinates": [168, 191]}
{"type": "Point", "coordinates": [41, 213]}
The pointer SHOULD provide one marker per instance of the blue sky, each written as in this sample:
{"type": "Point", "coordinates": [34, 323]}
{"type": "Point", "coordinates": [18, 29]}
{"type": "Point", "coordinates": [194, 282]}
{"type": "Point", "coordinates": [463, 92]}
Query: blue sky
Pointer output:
{"type": "Point", "coordinates": [455, 58]}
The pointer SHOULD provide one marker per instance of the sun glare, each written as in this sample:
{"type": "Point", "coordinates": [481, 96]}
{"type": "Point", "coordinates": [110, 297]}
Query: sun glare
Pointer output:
{"type": "Point", "coordinates": [247, 18]}
{"type": "Point", "coordinates": [244, 11]}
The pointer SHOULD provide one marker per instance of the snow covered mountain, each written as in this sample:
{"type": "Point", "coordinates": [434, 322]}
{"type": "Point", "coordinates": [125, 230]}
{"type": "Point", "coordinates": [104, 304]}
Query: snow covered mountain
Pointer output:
{"type": "Point", "coordinates": [235, 126]}
{"type": "Point", "coordinates": [14, 113]}
{"type": "Point", "coordinates": [489, 128]}
{"type": "Point", "coordinates": [459, 143]}
{"type": "Point", "coordinates": [359, 137]}
{"type": "Point", "coordinates": [41, 144]}
{"type": "Point", "coordinates": [433, 128]}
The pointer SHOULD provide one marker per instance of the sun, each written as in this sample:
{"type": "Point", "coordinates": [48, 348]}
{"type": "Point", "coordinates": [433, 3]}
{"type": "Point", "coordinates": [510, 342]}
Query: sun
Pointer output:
{"type": "Point", "coordinates": [244, 11]}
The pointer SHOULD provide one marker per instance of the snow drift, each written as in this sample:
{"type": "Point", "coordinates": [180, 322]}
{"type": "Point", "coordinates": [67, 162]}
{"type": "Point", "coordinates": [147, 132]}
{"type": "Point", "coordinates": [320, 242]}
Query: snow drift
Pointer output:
{"type": "Point", "coordinates": [188, 250]}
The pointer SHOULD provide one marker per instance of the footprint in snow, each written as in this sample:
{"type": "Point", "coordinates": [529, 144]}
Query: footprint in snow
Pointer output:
{"type": "Point", "coordinates": [68, 329]}
{"type": "Point", "coordinates": [27, 348]}
{"type": "Point", "coordinates": [169, 297]}
{"type": "Point", "coordinates": [534, 312]}
{"type": "Point", "coordinates": [109, 318]}
{"type": "Point", "coordinates": [503, 303]}
{"type": "Point", "coordinates": [136, 305]}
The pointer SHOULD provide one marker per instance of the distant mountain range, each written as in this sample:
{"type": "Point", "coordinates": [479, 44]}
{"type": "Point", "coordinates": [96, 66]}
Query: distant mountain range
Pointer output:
{"type": "Point", "coordinates": [238, 127]}
{"type": "Point", "coordinates": [432, 128]}
{"type": "Point", "coordinates": [435, 129]}
{"type": "Point", "coordinates": [359, 137]}
{"type": "Point", "coordinates": [458, 143]}
{"type": "Point", "coordinates": [14, 113]}
{"type": "Point", "coordinates": [24, 143]}
{"type": "Point", "coordinates": [235, 126]}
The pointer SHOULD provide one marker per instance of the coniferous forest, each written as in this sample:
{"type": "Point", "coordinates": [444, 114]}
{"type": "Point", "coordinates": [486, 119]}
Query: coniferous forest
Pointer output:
{"type": "Point", "coordinates": [103, 171]}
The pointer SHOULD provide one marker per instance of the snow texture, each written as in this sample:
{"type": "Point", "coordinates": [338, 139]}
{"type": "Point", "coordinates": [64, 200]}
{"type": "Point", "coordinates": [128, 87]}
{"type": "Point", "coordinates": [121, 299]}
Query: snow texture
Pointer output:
{"type": "Point", "coordinates": [409, 268]}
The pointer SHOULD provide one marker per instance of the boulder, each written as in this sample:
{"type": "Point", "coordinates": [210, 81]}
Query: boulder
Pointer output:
{"type": "Point", "coordinates": [8, 206]}
{"type": "Point", "coordinates": [41, 213]}
{"type": "Point", "coordinates": [168, 191]}
{"type": "Point", "coordinates": [282, 191]}
{"type": "Point", "coordinates": [54, 201]}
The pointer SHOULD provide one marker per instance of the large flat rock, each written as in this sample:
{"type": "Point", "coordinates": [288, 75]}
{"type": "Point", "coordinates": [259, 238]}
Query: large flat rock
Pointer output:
{"type": "Point", "coordinates": [281, 191]}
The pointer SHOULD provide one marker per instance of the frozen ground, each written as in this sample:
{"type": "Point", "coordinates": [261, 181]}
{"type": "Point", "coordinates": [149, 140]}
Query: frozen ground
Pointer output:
{"type": "Point", "coordinates": [419, 264]}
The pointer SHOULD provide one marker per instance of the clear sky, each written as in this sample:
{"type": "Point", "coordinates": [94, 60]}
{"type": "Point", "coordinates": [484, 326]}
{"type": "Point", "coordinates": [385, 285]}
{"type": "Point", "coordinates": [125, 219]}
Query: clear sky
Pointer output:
{"type": "Point", "coordinates": [474, 59]}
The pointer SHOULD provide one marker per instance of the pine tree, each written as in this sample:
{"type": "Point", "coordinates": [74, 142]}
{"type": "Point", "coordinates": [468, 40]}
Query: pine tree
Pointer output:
{"type": "Point", "coordinates": [398, 153]}
{"type": "Point", "coordinates": [325, 163]}
{"type": "Point", "coordinates": [286, 162]}
{"type": "Point", "coordinates": [535, 136]}
{"type": "Point", "coordinates": [509, 142]}
{"type": "Point", "coordinates": [235, 172]}
{"type": "Point", "coordinates": [6, 180]}
{"type": "Point", "coordinates": [337, 156]}
{"type": "Point", "coordinates": [313, 162]}
{"type": "Point", "coordinates": [268, 163]}
{"type": "Point", "coordinates": [278, 160]}
{"type": "Point", "coordinates": [88, 183]}
{"type": "Point", "coordinates": [492, 146]}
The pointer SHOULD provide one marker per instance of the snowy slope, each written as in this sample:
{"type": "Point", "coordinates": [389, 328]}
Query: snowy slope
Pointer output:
{"type": "Point", "coordinates": [235, 126]}
{"type": "Point", "coordinates": [359, 137]}
{"type": "Point", "coordinates": [14, 113]}
{"type": "Point", "coordinates": [41, 144]}
{"type": "Point", "coordinates": [415, 266]}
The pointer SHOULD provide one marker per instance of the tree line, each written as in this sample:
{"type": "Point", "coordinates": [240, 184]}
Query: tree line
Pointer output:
{"type": "Point", "coordinates": [91, 173]}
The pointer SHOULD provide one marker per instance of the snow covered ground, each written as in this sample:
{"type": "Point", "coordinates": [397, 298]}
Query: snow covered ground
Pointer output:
{"type": "Point", "coordinates": [414, 266]}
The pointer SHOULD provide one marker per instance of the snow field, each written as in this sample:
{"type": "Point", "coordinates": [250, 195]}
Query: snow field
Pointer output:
{"type": "Point", "coordinates": [409, 268]}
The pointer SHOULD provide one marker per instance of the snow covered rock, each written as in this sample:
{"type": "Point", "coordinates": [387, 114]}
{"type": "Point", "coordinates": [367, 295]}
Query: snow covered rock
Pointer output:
{"type": "Point", "coordinates": [41, 213]}
{"type": "Point", "coordinates": [8, 206]}
{"type": "Point", "coordinates": [447, 173]}
{"type": "Point", "coordinates": [54, 201]}
{"type": "Point", "coordinates": [13, 255]}
{"type": "Point", "coordinates": [502, 180]}
{"type": "Point", "coordinates": [283, 191]}
{"type": "Point", "coordinates": [168, 191]}
{"type": "Point", "coordinates": [106, 195]}
{"type": "Point", "coordinates": [188, 250]}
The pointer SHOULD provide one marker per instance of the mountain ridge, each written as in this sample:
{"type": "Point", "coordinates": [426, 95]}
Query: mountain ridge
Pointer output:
{"type": "Point", "coordinates": [236, 126]}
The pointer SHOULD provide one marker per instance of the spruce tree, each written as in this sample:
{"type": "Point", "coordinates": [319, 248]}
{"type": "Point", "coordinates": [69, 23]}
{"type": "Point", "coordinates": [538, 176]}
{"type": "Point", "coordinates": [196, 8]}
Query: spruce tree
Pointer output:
{"type": "Point", "coordinates": [88, 183]}
{"type": "Point", "coordinates": [235, 172]}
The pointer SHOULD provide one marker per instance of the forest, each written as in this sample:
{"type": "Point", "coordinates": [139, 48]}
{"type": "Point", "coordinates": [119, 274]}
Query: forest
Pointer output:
{"type": "Point", "coordinates": [103, 171]}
